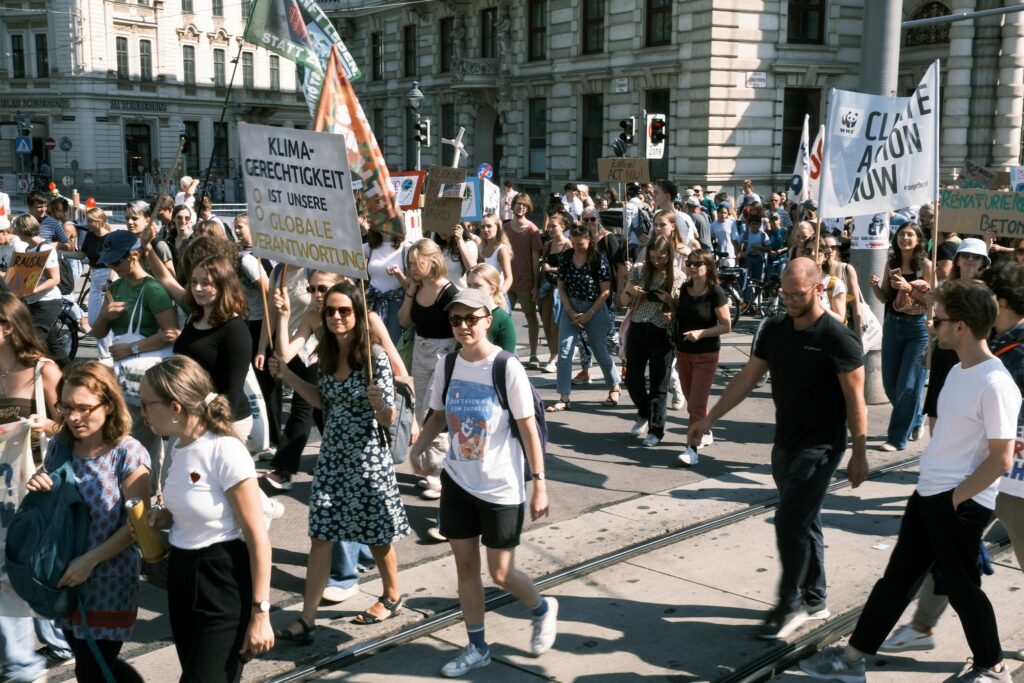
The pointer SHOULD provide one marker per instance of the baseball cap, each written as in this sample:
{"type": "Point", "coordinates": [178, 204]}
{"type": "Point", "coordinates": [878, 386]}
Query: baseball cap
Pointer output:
{"type": "Point", "coordinates": [692, 201]}
{"type": "Point", "coordinates": [972, 245]}
{"type": "Point", "coordinates": [697, 188]}
{"type": "Point", "coordinates": [810, 204]}
{"type": "Point", "coordinates": [474, 298]}
{"type": "Point", "coordinates": [117, 245]}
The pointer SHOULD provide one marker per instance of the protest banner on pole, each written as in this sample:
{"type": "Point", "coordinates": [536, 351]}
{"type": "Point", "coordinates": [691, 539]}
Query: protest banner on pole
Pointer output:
{"type": "Point", "coordinates": [24, 272]}
{"type": "Point", "coordinates": [623, 170]}
{"type": "Point", "coordinates": [339, 112]}
{"type": "Point", "coordinates": [973, 211]}
{"type": "Point", "coordinates": [299, 196]}
{"type": "Point", "coordinates": [815, 161]}
{"type": "Point", "coordinates": [881, 153]}
{"type": "Point", "coordinates": [441, 213]}
{"type": "Point", "coordinates": [802, 167]}
{"type": "Point", "coordinates": [15, 469]}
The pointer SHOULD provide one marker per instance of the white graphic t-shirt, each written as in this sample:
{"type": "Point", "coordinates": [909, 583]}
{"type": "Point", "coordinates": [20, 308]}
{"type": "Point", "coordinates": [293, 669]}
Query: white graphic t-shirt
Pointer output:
{"type": "Point", "coordinates": [484, 458]}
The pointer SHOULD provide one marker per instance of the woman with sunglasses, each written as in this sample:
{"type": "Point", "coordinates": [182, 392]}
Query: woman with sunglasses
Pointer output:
{"type": "Point", "coordinates": [110, 467]}
{"type": "Point", "coordinates": [847, 274]}
{"type": "Point", "coordinates": [355, 495]}
{"type": "Point", "coordinates": [833, 291]}
{"type": "Point", "coordinates": [496, 250]}
{"type": "Point", "coordinates": [609, 246]}
{"type": "Point", "coordinates": [547, 293]}
{"type": "Point", "coordinates": [584, 286]}
{"type": "Point", "coordinates": [701, 318]}
{"type": "Point", "coordinates": [652, 288]}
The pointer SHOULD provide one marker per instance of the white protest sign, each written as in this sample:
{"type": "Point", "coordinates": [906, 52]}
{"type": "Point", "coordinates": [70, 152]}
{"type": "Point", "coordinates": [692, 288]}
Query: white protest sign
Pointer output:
{"type": "Point", "coordinates": [299, 194]}
{"type": "Point", "coordinates": [1017, 179]}
{"type": "Point", "coordinates": [15, 469]}
{"type": "Point", "coordinates": [881, 153]}
{"type": "Point", "coordinates": [492, 197]}
{"type": "Point", "coordinates": [870, 232]}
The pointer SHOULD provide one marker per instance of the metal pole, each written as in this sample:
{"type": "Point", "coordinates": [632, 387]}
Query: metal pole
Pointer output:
{"type": "Point", "coordinates": [880, 59]}
{"type": "Point", "coordinates": [962, 16]}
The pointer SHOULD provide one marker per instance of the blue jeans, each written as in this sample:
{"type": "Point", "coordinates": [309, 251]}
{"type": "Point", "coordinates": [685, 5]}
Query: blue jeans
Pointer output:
{"type": "Point", "coordinates": [346, 557]}
{"type": "Point", "coordinates": [568, 334]}
{"type": "Point", "coordinates": [904, 344]}
{"type": "Point", "coordinates": [19, 660]}
{"type": "Point", "coordinates": [611, 339]}
{"type": "Point", "coordinates": [386, 305]}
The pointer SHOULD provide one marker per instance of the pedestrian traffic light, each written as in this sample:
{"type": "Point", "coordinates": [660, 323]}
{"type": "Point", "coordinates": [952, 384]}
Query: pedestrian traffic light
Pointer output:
{"type": "Point", "coordinates": [658, 131]}
{"type": "Point", "coordinates": [422, 135]}
{"type": "Point", "coordinates": [628, 127]}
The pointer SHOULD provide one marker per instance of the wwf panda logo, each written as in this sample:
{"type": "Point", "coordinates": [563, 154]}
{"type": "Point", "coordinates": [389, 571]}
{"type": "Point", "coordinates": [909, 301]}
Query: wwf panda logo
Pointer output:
{"type": "Point", "coordinates": [850, 119]}
{"type": "Point", "coordinates": [849, 122]}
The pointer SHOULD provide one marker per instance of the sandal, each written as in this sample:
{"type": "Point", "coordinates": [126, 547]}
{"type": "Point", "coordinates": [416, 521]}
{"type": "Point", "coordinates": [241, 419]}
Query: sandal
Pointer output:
{"type": "Point", "coordinates": [365, 618]}
{"type": "Point", "coordinates": [612, 402]}
{"type": "Point", "coordinates": [303, 637]}
{"type": "Point", "coordinates": [557, 407]}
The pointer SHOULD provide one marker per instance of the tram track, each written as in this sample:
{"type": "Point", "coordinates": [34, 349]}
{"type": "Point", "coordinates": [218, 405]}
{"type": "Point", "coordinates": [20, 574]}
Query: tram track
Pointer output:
{"type": "Point", "coordinates": [790, 652]}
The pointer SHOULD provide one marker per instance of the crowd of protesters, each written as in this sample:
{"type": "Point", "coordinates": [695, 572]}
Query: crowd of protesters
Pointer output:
{"type": "Point", "coordinates": [191, 328]}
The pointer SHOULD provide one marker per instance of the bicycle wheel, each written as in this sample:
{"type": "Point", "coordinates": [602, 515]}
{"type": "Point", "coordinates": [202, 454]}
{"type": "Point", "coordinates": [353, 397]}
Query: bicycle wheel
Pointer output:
{"type": "Point", "coordinates": [736, 305]}
{"type": "Point", "coordinates": [763, 379]}
{"type": "Point", "coordinates": [65, 330]}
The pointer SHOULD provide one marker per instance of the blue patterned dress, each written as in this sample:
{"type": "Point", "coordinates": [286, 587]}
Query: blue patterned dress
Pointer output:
{"type": "Point", "coordinates": [113, 587]}
{"type": "Point", "coordinates": [355, 495]}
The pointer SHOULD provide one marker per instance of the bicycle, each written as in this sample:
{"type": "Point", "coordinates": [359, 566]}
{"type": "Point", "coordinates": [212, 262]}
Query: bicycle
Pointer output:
{"type": "Point", "coordinates": [729, 279]}
{"type": "Point", "coordinates": [67, 331]}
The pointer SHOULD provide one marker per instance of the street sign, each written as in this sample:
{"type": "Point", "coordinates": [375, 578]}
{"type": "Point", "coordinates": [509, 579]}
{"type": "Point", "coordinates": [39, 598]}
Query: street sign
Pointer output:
{"type": "Point", "coordinates": [65, 144]}
{"type": "Point", "coordinates": [50, 143]}
{"type": "Point", "coordinates": [23, 145]}
{"type": "Point", "coordinates": [655, 125]}
{"type": "Point", "coordinates": [66, 181]}
{"type": "Point", "coordinates": [621, 85]}
{"type": "Point", "coordinates": [485, 172]}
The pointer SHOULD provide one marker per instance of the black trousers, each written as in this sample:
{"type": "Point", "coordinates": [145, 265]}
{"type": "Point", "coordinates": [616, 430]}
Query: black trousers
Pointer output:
{"type": "Point", "coordinates": [300, 421]}
{"type": "Point", "coordinates": [933, 532]}
{"type": "Point", "coordinates": [648, 344]}
{"type": "Point", "coordinates": [44, 315]}
{"type": "Point", "coordinates": [87, 669]}
{"type": "Point", "coordinates": [267, 385]}
{"type": "Point", "coordinates": [209, 594]}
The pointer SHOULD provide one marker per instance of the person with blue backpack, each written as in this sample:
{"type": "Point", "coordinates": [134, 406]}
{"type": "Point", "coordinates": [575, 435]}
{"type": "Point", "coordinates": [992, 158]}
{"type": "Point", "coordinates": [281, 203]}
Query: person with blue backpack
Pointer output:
{"type": "Point", "coordinates": [109, 467]}
{"type": "Point", "coordinates": [484, 397]}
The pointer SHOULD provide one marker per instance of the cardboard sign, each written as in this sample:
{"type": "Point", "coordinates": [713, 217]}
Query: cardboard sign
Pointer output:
{"type": "Point", "coordinates": [972, 212]}
{"type": "Point", "coordinates": [25, 272]}
{"type": "Point", "coordinates": [1017, 178]}
{"type": "Point", "coordinates": [441, 213]}
{"type": "Point", "coordinates": [299, 195]}
{"type": "Point", "coordinates": [408, 186]}
{"type": "Point", "coordinates": [976, 176]}
{"type": "Point", "coordinates": [623, 170]}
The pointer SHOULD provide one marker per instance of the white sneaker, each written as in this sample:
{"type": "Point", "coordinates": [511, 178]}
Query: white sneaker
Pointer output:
{"type": "Point", "coordinates": [265, 455]}
{"type": "Point", "coordinates": [688, 457]}
{"type": "Point", "coordinates": [334, 594]}
{"type": "Point", "coordinates": [907, 638]}
{"type": "Point", "coordinates": [651, 440]}
{"type": "Point", "coordinates": [470, 658]}
{"type": "Point", "coordinates": [707, 440]}
{"type": "Point", "coordinates": [551, 366]}
{"type": "Point", "coordinates": [435, 533]}
{"type": "Point", "coordinates": [545, 628]}
{"type": "Point", "coordinates": [639, 427]}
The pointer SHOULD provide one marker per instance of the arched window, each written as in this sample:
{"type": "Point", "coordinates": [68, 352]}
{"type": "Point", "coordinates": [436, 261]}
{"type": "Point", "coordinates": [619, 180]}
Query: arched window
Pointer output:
{"type": "Point", "coordinates": [929, 35]}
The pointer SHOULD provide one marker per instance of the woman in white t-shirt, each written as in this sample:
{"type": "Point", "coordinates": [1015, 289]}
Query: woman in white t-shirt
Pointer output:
{"type": "Point", "coordinates": [833, 291]}
{"type": "Point", "coordinates": [45, 302]}
{"type": "Point", "coordinates": [385, 267]}
{"type": "Point", "coordinates": [483, 491]}
{"type": "Point", "coordinates": [220, 551]}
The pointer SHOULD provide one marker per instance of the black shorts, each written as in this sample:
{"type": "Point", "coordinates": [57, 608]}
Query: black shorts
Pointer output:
{"type": "Point", "coordinates": [463, 515]}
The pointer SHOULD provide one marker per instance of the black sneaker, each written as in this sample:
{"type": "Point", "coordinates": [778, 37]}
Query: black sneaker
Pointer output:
{"type": "Point", "coordinates": [780, 624]}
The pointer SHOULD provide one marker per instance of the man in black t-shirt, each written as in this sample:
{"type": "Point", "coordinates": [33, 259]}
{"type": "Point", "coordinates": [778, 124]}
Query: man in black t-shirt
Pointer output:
{"type": "Point", "coordinates": [818, 389]}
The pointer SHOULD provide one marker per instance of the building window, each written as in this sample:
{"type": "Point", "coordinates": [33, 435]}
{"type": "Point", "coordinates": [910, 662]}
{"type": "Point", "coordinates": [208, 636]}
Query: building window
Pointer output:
{"type": "Point", "coordinates": [658, 102]}
{"type": "Point", "coordinates": [122, 57]}
{"type": "Point", "coordinates": [929, 35]}
{"type": "Point", "coordinates": [537, 120]}
{"type": "Point", "coordinates": [377, 56]}
{"type": "Point", "coordinates": [593, 131]}
{"type": "Point", "coordinates": [218, 8]}
{"type": "Point", "coordinates": [218, 68]}
{"type": "Point", "coordinates": [797, 103]}
{"type": "Point", "coordinates": [447, 131]}
{"type": "Point", "coordinates": [378, 126]}
{"type": "Point", "coordinates": [186, 6]}
{"type": "Point", "coordinates": [18, 56]}
{"type": "Point", "coordinates": [192, 153]}
{"type": "Point", "coordinates": [409, 49]}
{"type": "Point", "coordinates": [42, 57]}
{"type": "Point", "coordinates": [593, 28]}
{"type": "Point", "coordinates": [220, 146]}
{"type": "Point", "coordinates": [146, 60]}
{"type": "Point", "coordinates": [488, 42]}
{"type": "Point", "coordinates": [659, 22]}
{"type": "Point", "coordinates": [188, 58]}
{"type": "Point", "coordinates": [248, 76]}
{"type": "Point", "coordinates": [537, 29]}
{"type": "Point", "coordinates": [806, 22]}
{"type": "Point", "coordinates": [275, 72]}
{"type": "Point", "coordinates": [445, 34]}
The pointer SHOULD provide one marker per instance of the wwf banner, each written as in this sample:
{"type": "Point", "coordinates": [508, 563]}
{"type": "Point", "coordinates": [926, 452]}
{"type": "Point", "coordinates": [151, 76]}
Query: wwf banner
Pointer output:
{"type": "Point", "coordinates": [881, 153]}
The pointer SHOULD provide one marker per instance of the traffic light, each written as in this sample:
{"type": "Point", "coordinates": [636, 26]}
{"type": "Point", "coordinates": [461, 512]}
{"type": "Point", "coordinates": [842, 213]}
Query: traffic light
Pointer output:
{"type": "Point", "coordinates": [422, 135]}
{"type": "Point", "coordinates": [658, 131]}
{"type": "Point", "coordinates": [628, 127]}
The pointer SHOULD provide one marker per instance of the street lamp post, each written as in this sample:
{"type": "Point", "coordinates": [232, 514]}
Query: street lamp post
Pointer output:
{"type": "Point", "coordinates": [414, 97]}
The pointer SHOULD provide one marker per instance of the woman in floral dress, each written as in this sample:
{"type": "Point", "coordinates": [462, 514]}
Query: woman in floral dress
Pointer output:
{"type": "Point", "coordinates": [355, 494]}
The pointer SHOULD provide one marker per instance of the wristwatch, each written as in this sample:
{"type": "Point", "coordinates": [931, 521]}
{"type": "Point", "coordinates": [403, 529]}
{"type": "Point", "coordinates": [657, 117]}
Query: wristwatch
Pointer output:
{"type": "Point", "coordinates": [261, 605]}
{"type": "Point", "coordinates": [538, 476]}
{"type": "Point", "coordinates": [135, 348]}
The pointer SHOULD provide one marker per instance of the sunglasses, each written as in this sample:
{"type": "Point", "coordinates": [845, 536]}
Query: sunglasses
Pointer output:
{"type": "Point", "coordinates": [343, 311]}
{"type": "Point", "coordinates": [694, 264]}
{"type": "Point", "coordinates": [590, 219]}
{"type": "Point", "coordinates": [468, 320]}
{"type": "Point", "coordinates": [320, 289]}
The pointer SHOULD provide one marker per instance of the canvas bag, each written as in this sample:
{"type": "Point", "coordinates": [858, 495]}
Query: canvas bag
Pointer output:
{"type": "Point", "coordinates": [129, 371]}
